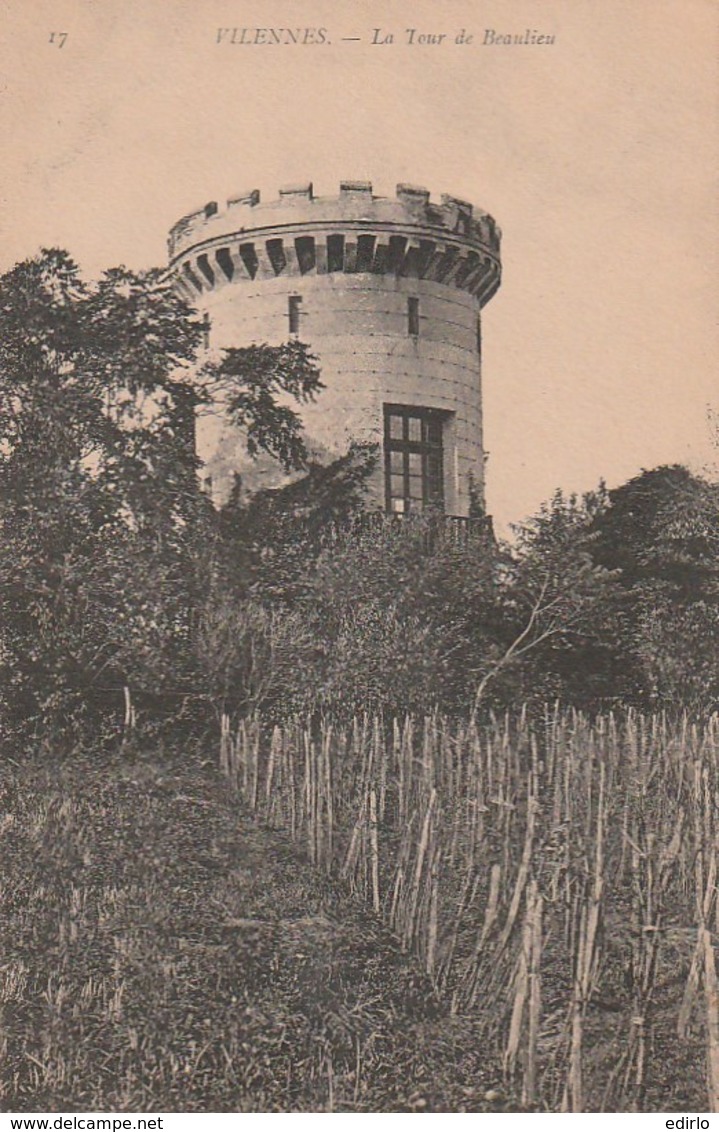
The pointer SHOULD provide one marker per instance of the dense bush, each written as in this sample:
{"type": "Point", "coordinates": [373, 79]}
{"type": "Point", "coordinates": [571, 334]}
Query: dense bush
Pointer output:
{"type": "Point", "coordinates": [660, 533]}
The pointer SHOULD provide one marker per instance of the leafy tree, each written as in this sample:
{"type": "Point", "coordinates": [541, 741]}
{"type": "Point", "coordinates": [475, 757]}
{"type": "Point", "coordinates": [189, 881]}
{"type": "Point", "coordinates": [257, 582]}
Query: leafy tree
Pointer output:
{"type": "Point", "coordinates": [660, 532]}
{"type": "Point", "coordinates": [612, 598]}
{"type": "Point", "coordinates": [555, 609]}
{"type": "Point", "coordinates": [107, 542]}
{"type": "Point", "coordinates": [272, 539]}
{"type": "Point", "coordinates": [256, 644]}
{"type": "Point", "coordinates": [81, 464]}
{"type": "Point", "coordinates": [252, 381]}
{"type": "Point", "coordinates": [661, 525]}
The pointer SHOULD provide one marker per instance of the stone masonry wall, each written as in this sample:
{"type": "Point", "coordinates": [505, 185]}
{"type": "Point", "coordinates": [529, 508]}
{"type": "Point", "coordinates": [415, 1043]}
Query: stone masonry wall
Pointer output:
{"type": "Point", "coordinates": [354, 262]}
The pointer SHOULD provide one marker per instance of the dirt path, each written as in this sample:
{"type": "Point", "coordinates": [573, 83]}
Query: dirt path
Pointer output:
{"type": "Point", "coordinates": [163, 953]}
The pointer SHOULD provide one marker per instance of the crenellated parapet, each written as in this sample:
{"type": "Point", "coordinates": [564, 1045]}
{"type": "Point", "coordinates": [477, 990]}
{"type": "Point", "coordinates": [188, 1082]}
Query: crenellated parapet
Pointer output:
{"type": "Point", "coordinates": [299, 234]}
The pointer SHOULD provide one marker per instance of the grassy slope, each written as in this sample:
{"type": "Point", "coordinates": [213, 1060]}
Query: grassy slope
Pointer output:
{"type": "Point", "coordinates": [161, 952]}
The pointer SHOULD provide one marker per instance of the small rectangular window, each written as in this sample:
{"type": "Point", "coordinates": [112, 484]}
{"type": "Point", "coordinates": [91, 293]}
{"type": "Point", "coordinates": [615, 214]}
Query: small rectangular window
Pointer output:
{"type": "Point", "coordinates": [413, 316]}
{"type": "Point", "coordinates": [294, 311]}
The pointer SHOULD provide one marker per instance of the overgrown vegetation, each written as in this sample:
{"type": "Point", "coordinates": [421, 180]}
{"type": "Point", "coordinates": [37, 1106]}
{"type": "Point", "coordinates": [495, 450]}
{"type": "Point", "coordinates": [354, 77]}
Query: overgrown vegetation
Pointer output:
{"type": "Point", "coordinates": [107, 542]}
{"type": "Point", "coordinates": [161, 953]}
{"type": "Point", "coordinates": [508, 857]}
{"type": "Point", "coordinates": [121, 583]}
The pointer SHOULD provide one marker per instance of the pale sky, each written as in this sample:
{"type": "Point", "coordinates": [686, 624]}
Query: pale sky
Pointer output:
{"type": "Point", "coordinates": [597, 156]}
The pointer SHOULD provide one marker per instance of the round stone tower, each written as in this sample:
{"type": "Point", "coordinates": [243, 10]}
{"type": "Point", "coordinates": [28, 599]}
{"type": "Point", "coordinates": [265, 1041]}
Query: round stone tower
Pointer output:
{"type": "Point", "coordinates": [387, 292]}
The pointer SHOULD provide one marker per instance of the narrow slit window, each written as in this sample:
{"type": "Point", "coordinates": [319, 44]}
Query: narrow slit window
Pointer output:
{"type": "Point", "coordinates": [294, 312]}
{"type": "Point", "coordinates": [413, 316]}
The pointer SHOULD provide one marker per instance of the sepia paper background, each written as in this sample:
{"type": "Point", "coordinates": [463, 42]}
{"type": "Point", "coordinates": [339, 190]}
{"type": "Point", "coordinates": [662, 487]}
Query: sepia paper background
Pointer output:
{"type": "Point", "coordinates": [595, 153]}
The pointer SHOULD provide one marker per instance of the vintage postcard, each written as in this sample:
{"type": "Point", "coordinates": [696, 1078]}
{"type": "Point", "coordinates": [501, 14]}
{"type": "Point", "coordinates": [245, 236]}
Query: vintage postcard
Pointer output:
{"type": "Point", "coordinates": [359, 563]}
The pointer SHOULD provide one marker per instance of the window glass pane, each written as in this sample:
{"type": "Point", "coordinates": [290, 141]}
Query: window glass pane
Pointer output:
{"type": "Point", "coordinates": [415, 430]}
{"type": "Point", "coordinates": [434, 431]}
{"type": "Point", "coordinates": [395, 426]}
{"type": "Point", "coordinates": [415, 463]}
{"type": "Point", "coordinates": [396, 485]}
{"type": "Point", "coordinates": [434, 476]}
{"type": "Point", "coordinates": [396, 462]}
{"type": "Point", "coordinates": [398, 505]}
{"type": "Point", "coordinates": [415, 487]}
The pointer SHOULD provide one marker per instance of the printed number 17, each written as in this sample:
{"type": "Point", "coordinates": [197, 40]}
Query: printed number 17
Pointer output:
{"type": "Point", "coordinates": [58, 37]}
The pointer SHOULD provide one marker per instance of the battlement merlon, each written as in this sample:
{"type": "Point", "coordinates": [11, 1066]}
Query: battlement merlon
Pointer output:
{"type": "Point", "coordinates": [451, 223]}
